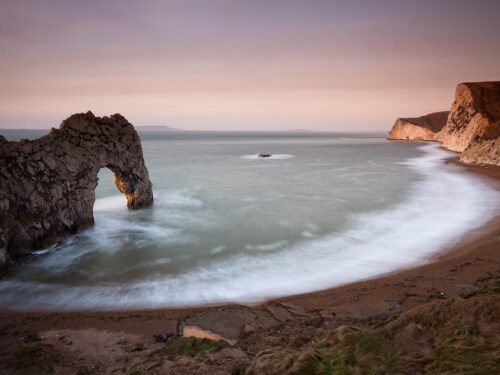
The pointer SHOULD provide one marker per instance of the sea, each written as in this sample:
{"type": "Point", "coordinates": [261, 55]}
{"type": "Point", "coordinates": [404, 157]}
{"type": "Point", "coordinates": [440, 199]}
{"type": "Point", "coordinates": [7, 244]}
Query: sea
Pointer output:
{"type": "Point", "coordinates": [226, 226]}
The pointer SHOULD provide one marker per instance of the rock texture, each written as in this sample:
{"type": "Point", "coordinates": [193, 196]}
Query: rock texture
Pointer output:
{"type": "Point", "coordinates": [47, 185]}
{"type": "Point", "coordinates": [472, 126]}
{"type": "Point", "coordinates": [425, 128]}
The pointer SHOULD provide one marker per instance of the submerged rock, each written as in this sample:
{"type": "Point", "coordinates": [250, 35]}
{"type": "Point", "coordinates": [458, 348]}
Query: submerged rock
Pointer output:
{"type": "Point", "coordinates": [47, 185]}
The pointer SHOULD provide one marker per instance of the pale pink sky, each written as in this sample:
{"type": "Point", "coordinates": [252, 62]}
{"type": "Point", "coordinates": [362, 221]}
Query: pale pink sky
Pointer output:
{"type": "Point", "coordinates": [256, 64]}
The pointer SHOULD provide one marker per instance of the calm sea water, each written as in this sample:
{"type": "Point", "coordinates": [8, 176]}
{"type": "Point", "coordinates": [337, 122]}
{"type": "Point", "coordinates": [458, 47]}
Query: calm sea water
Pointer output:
{"type": "Point", "coordinates": [226, 226]}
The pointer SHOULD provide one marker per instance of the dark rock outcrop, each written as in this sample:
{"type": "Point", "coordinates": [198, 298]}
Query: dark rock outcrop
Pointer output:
{"type": "Point", "coordinates": [47, 185]}
{"type": "Point", "coordinates": [472, 126]}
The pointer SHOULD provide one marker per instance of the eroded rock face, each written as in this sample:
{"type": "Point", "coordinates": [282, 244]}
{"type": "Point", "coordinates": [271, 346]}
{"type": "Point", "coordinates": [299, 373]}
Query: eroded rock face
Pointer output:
{"type": "Point", "coordinates": [425, 128]}
{"type": "Point", "coordinates": [472, 126]}
{"type": "Point", "coordinates": [47, 185]}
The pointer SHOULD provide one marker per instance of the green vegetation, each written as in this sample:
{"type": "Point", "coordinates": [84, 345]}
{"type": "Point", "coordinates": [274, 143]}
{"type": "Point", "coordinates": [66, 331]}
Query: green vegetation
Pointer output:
{"type": "Point", "coordinates": [191, 347]}
{"type": "Point", "coordinates": [27, 352]}
{"type": "Point", "coordinates": [239, 369]}
{"type": "Point", "coordinates": [454, 336]}
{"type": "Point", "coordinates": [321, 345]}
{"type": "Point", "coordinates": [31, 359]}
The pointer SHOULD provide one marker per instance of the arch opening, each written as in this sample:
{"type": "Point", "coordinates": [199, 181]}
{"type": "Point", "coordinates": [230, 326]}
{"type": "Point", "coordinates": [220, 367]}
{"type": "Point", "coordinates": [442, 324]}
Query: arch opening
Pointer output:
{"type": "Point", "coordinates": [106, 191]}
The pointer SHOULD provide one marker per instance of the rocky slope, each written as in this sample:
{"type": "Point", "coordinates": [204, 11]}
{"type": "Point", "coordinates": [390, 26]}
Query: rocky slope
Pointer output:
{"type": "Point", "coordinates": [456, 336]}
{"type": "Point", "coordinates": [472, 127]}
{"type": "Point", "coordinates": [425, 128]}
{"type": "Point", "coordinates": [47, 185]}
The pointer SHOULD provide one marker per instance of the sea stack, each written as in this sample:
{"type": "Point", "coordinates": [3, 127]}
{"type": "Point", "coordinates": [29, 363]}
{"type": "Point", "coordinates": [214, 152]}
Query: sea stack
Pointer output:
{"type": "Point", "coordinates": [472, 126]}
{"type": "Point", "coordinates": [47, 185]}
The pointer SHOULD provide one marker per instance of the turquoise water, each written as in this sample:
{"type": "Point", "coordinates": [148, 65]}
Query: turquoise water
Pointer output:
{"type": "Point", "coordinates": [226, 226]}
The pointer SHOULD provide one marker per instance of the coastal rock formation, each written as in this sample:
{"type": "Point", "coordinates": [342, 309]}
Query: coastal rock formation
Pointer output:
{"type": "Point", "coordinates": [425, 128]}
{"type": "Point", "coordinates": [47, 185]}
{"type": "Point", "coordinates": [472, 127]}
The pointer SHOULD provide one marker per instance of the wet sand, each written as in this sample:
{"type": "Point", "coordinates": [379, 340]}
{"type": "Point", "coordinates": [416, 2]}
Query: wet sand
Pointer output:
{"type": "Point", "coordinates": [470, 264]}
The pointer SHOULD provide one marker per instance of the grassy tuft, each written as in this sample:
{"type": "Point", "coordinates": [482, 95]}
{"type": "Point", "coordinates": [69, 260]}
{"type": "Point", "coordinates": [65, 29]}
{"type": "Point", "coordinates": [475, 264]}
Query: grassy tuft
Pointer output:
{"type": "Point", "coordinates": [192, 347]}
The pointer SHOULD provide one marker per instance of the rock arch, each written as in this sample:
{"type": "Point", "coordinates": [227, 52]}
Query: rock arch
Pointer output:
{"type": "Point", "coordinates": [47, 185]}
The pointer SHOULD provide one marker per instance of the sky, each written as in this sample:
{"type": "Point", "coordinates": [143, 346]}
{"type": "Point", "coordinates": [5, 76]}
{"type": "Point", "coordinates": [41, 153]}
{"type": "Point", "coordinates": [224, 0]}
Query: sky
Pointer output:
{"type": "Point", "coordinates": [242, 65]}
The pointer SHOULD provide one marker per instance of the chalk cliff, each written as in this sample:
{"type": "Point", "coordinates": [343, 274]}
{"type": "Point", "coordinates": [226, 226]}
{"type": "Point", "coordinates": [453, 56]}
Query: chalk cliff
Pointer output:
{"type": "Point", "coordinates": [472, 127]}
{"type": "Point", "coordinates": [47, 185]}
{"type": "Point", "coordinates": [425, 128]}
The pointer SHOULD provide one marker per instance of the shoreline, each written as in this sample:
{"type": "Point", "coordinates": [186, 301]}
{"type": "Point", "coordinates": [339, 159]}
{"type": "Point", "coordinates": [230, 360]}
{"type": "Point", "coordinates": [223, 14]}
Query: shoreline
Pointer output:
{"type": "Point", "coordinates": [431, 251]}
{"type": "Point", "coordinates": [488, 173]}
{"type": "Point", "coordinates": [465, 245]}
{"type": "Point", "coordinates": [104, 342]}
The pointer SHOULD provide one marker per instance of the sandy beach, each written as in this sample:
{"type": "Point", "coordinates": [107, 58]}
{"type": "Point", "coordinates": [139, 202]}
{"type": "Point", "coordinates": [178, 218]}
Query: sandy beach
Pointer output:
{"type": "Point", "coordinates": [101, 340]}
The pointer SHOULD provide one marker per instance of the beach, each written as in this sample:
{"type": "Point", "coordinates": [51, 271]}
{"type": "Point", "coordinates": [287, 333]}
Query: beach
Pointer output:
{"type": "Point", "coordinates": [249, 188]}
{"type": "Point", "coordinates": [226, 228]}
{"type": "Point", "coordinates": [474, 261]}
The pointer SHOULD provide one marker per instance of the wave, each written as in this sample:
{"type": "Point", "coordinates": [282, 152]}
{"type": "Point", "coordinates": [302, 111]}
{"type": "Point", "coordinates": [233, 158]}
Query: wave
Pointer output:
{"type": "Point", "coordinates": [440, 207]}
{"type": "Point", "coordinates": [218, 249]}
{"type": "Point", "coordinates": [267, 247]}
{"type": "Point", "coordinates": [111, 204]}
{"type": "Point", "coordinates": [161, 200]}
{"type": "Point", "coordinates": [171, 200]}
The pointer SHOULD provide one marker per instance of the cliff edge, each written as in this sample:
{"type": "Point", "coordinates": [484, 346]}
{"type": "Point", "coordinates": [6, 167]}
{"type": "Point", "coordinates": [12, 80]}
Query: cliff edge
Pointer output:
{"type": "Point", "coordinates": [472, 126]}
{"type": "Point", "coordinates": [47, 185]}
{"type": "Point", "coordinates": [425, 128]}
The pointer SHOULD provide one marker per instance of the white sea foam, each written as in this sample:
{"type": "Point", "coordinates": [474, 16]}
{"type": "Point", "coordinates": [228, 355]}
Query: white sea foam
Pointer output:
{"type": "Point", "coordinates": [160, 261]}
{"type": "Point", "coordinates": [267, 247]}
{"type": "Point", "coordinates": [218, 249]}
{"type": "Point", "coordinates": [111, 204]}
{"type": "Point", "coordinates": [439, 208]}
{"type": "Point", "coordinates": [41, 252]}
{"type": "Point", "coordinates": [174, 200]}
{"type": "Point", "coordinates": [273, 157]}
{"type": "Point", "coordinates": [306, 233]}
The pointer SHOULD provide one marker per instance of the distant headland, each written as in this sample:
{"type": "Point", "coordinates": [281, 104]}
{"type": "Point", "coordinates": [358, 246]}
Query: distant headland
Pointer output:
{"type": "Point", "coordinates": [156, 128]}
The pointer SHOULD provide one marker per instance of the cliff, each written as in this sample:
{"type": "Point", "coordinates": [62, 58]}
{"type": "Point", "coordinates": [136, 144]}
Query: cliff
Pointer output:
{"type": "Point", "coordinates": [47, 185]}
{"type": "Point", "coordinates": [425, 128]}
{"type": "Point", "coordinates": [472, 127]}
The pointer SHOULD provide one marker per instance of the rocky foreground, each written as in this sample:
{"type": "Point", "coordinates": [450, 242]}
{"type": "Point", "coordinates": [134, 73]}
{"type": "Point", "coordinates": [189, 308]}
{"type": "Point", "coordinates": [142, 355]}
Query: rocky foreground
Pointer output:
{"type": "Point", "coordinates": [471, 127]}
{"type": "Point", "coordinates": [47, 185]}
{"type": "Point", "coordinates": [459, 335]}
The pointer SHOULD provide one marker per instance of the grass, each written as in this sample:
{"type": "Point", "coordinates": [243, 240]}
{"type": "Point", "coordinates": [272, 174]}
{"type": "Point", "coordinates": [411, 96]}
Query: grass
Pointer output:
{"type": "Point", "coordinates": [27, 352]}
{"type": "Point", "coordinates": [192, 347]}
{"type": "Point", "coordinates": [453, 336]}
